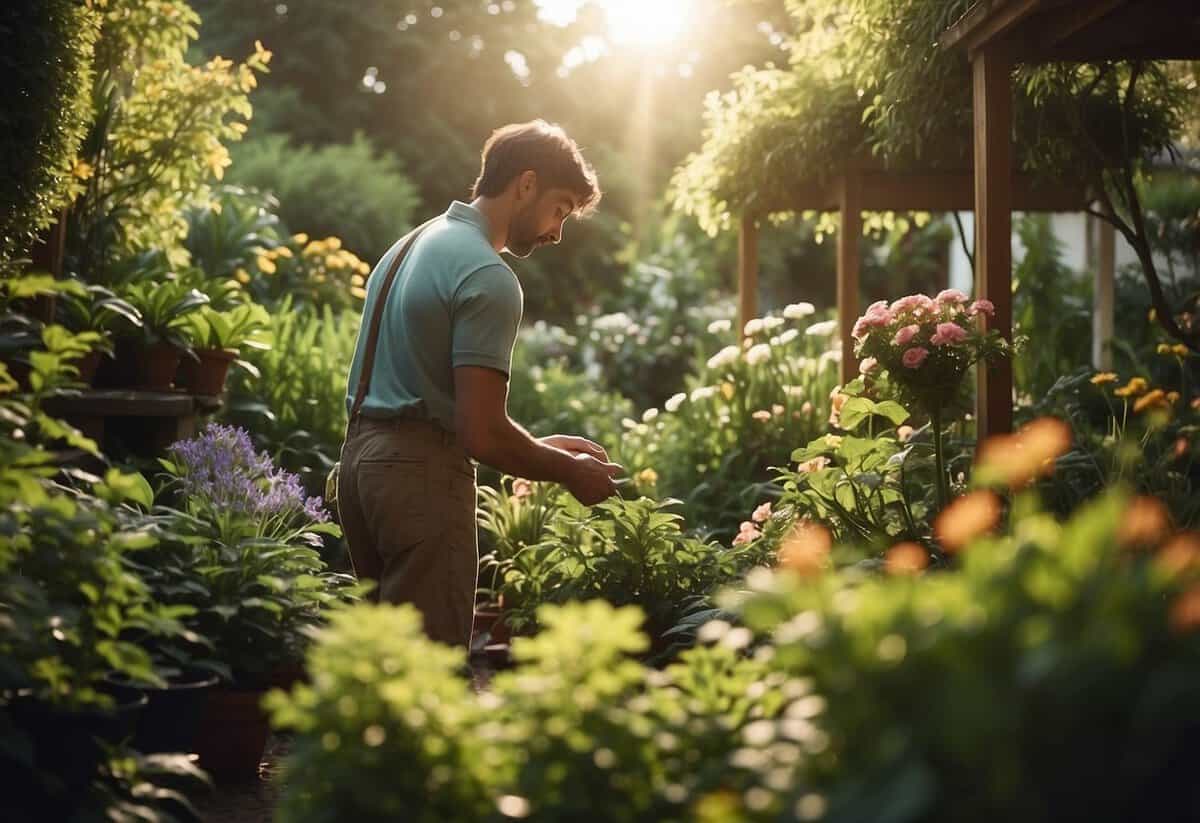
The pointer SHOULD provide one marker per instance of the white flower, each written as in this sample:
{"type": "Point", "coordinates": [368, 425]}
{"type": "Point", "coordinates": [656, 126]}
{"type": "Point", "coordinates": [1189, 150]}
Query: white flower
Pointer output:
{"type": "Point", "coordinates": [772, 322]}
{"type": "Point", "coordinates": [753, 327]}
{"type": "Point", "coordinates": [796, 311]}
{"type": "Point", "coordinates": [832, 356]}
{"type": "Point", "coordinates": [719, 326]}
{"type": "Point", "coordinates": [649, 415]}
{"type": "Point", "coordinates": [824, 328]}
{"type": "Point", "coordinates": [611, 322]}
{"type": "Point", "coordinates": [674, 402]}
{"type": "Point", "coordinates": [703, 393]}
{"type": "Point", "coordinates": [725, 357]}
{"type": "Point", "coordinates": [788, 336]}
{"type": "Point", "coordinates": [758, 354]}
{"type": "Point", "coordinates": [629, 423]}
{"type": "Point", "coordinates": [794, 391]}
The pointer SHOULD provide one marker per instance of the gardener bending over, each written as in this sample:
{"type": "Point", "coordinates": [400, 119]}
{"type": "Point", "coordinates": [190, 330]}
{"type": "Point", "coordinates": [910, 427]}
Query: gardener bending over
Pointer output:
{"type": "Point", "coordinates": [428, 386]}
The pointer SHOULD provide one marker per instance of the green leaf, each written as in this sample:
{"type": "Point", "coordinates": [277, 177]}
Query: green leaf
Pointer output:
{"type": "Point", "coordinates": [893, 411]}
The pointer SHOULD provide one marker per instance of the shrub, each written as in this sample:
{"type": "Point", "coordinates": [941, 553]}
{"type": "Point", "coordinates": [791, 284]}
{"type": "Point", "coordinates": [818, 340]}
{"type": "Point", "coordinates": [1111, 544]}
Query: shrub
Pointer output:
{"type": "Point", "coordinates": [348, 190]}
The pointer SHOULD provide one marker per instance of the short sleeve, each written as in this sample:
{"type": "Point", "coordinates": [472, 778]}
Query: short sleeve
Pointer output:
{"type": "Point", "coordinates": [486, 315]}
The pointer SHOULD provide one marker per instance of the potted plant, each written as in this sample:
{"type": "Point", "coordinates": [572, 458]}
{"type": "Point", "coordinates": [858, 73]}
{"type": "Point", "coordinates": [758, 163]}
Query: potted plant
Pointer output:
{"type": "Point", "coordinates": [95, 309]}
{"type": "Point", "coordinates": [163, 338]}
{"type": "Point", "coordinates": [217, 338]}
{"type": "Point", "coordinates": [237, 557]}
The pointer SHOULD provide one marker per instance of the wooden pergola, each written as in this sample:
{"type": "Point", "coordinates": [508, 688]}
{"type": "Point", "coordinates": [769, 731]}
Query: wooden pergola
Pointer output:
{"type": "Point", "coordinates": [866, 186]}
{"type": "Point", "coordinates": [997, 35]}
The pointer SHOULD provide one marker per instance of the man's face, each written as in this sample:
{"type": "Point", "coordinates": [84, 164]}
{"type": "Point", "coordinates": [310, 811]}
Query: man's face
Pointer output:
{"type": "Point", "coordinates": [539, 222]}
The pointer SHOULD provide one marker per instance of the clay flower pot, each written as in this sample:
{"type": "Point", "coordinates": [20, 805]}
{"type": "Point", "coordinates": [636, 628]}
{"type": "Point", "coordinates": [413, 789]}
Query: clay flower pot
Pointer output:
{"type": "Point", "coordinates": [206, 375]}
{"type": "Point", "coordinates": [157, 364]}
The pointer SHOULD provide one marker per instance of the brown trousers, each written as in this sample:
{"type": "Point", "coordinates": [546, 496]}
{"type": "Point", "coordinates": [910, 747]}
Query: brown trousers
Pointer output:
{"type": "Point", "coordinates": [406, 501]}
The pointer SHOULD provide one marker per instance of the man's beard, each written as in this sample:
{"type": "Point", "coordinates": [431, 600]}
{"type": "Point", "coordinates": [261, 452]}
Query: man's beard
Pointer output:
{"type": "Point", "coordinates": [522, 236]}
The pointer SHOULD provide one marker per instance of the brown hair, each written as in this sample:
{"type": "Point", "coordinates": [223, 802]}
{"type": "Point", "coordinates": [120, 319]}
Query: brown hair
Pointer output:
{"type": "Point", "coordinates": [543, 148]}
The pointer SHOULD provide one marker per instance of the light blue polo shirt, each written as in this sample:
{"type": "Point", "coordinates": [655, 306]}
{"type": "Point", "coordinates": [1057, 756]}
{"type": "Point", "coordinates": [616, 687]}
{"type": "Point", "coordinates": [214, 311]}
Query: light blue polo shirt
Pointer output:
{"type": "Point", "coordinates": [455, 302]}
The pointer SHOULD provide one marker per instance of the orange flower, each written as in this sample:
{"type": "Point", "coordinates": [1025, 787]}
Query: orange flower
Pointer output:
{"type": "Point", "coordinates": [966, 518]}
{"type": "Point", "coordinates": [1146, 522]}
{"type": "Point", "coordinates": [1180, 553]}
{"type": "Point", "coordinates": [906, 558]}
{"type": "Point", "coordinates": [1136, 385]}
{"type": "Point", "coordinates": [1181, 447]}
{"type": "Point", "coordinates": [1151, 400]}
{"type": "Point", "coordinates": [1016, 459]}
{"type": "Point", "coordinates": [806, 548]}
{"type": "Point", "coordinates": [1103, 377]}
{"type": "Point", "coordinates": [1185, 612]}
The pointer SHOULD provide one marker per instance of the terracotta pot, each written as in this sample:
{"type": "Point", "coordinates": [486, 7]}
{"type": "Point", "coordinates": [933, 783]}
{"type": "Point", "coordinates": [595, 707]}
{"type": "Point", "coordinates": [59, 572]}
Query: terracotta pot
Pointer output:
{"type": "Point", "coordinates": [207, 374]}
{"type": "Point", "coordinates": [157, 364]}
{"type": "Point", "coordinates": [233, 732]}
{"type": "Point", "coordinates": [490, 618]}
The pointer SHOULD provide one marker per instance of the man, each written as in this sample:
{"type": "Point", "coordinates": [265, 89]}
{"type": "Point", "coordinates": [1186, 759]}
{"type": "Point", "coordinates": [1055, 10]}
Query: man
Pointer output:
{"type": "Point", "coordinates": [436, 394]}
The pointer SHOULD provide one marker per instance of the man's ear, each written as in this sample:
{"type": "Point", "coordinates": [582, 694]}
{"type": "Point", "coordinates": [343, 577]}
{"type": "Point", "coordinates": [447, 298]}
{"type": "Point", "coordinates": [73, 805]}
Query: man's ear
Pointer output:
{"type": "Point", "coordinates": [527, 185]}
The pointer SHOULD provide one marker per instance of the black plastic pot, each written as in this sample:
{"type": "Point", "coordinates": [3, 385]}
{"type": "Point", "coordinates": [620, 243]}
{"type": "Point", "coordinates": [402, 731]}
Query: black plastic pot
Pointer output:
{"type": "Point", "coordinates": [172, 716]}
{"type": "Point", "coordinates": [67, 743]}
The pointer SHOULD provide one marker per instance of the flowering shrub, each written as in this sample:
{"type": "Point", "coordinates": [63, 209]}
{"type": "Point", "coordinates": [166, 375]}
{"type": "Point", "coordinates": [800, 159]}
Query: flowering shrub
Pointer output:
{"type": "Point", "coordinates": [227, 483]}
{"type": "Point", "coordinates": [745, 409]}
{"type": "Point", "coordinates": [314, 272]}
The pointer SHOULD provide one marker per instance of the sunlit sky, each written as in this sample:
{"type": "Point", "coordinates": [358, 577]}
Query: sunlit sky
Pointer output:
{"type": "Point", "coordinates": [630, 22]}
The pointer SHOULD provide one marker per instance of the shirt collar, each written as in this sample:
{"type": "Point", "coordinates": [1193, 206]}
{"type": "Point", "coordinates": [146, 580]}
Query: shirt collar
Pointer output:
{"type": "Point", "coordinates": [468, 214]}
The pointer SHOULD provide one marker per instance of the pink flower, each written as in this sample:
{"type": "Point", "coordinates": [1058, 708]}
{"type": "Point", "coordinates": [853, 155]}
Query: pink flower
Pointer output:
{"type": "Point", "coordinates": [762, 415]}
{"type": "Point", "coordinates": [916, 303]}
{"type": "Point", "coordinates": [904, 433]}
{"type": "Point", "coordinates": [746, 533]}
{"type": "Point", "coordinates": [982, 305]}
{"type": "Point", "coordinates": [876, 316]}
{"type": "Point", "coordinates": [906, 334]}
{"type": "Point", "coordinates": [814, 465]}
{"type": "Point", "coordinates": [762, 513]}
{"type": "Point", "coordinates": [867, 366]}
{"type": "Point", "coordinates": [522, 488]}
{"type": "Point", "coordinates": [951, 296]}
{"type": "Point", "coordinates": [914, 357]}
{"type": "Point", "coordinates": [948, 334]}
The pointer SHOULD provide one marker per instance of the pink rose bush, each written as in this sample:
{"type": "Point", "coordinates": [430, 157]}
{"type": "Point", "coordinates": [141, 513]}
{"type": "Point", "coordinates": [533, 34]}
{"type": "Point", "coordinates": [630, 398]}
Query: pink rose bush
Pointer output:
{"type": "Point", "coordinates": [926, 344]}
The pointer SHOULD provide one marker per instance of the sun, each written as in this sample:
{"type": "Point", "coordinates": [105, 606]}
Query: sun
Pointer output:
{"type": "Point", "coordinates": [630, 22]}
{"type": "Point", "coordinates": [646, 22]}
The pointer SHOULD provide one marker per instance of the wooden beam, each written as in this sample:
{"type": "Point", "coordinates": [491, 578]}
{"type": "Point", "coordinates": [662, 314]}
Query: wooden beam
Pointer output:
{"type": "Point", "coordinates": [992, 104]}
{"type": "Point", "coordinates": [1102, 308]}
{"type": "Point", "coordinates": [849, 232]}
{"type": "Point", "coordinates": [986, 21]}
{"type": "Point", "coordinates": [955, 191]}
{"type": "Point", "coordinates": [747, 272]}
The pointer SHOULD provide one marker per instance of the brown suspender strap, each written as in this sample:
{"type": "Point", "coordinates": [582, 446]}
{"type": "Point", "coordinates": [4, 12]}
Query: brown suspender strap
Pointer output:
{"type": "Point", "coordinates": [364, 377]}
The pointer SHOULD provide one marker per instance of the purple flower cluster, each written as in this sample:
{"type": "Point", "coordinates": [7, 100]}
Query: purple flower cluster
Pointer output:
{"type": "Point", "coordinates": [222, 467]}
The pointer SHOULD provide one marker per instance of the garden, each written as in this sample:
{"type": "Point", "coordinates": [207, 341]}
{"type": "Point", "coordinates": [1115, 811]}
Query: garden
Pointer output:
{"type": "Point", "coordinates": [824, 589]}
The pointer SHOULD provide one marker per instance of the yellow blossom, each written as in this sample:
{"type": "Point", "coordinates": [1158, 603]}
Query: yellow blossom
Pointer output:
{"type": "Point", "coordinates": [359, 292]}
{"type": "Point", "coordinates": [1152, 315]}
{"type": "Point", "coordinates": [727, 391]}
{"type": "Point", "coordinates": [332, 261]}
{"type": "Point", "coordinates": [1103, 377]}
{"type": "Point", "coordinates": [300, 238]}
{"type": "Point", "coordinates": [1135, 386]}
{"type": "Point", "coordinates": [1164, 348]}
{"type": "Point", "coordinates": [82, 170]}
{"type": "Point", "coordinates": [283, 251]}
{"type": "Point", "coordinates": [647, 477]}
{"type": "Point", "coordinates": [242, 276]}
{"type": "Point", "coordinates": [1180, 350]}
{"type": "Point", "coordinates": [265, 264]}
{"type": "Point", "coordinates": [333, 243]}
{"type": "Point", "coordinates": [315, 249]}
{"type": "Point", "coordinates": [1151, 400]}
{"type": "Point", "coordinates": [357, 280]}
{"type": "Point", "coordinates": [1172, 397]}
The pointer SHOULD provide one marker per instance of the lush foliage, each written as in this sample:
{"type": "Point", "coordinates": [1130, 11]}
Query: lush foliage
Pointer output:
{"type": "Point", "coordinates": [340, 189]}
{"type": "Point", "coordinates": [47, 66]}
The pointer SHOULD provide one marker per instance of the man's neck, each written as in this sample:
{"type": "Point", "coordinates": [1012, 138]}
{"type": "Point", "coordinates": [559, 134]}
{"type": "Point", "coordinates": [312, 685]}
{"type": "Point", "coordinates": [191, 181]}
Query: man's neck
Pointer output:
{"type": "Point", "coordinates": [498, 214]}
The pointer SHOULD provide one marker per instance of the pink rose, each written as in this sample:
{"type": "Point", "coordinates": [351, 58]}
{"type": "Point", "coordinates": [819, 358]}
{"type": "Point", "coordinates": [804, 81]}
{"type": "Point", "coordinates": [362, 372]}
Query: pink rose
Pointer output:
{"type": "Point", "coordinates": [951, 296]}
{"type": "Point", "coordinates": [762, 513]}
{"type": "Point", "coordinates": [918, 304]}
{"type": "Point", "coordinates": [948, 334]}
{"type": "Point", "coordinates": [867, 366]}
{"type": "Point", "coordinates": [914, 357]}
{"type": "Point", "coordinates": [906, 334]}
{"type": "Point", "coordinates": [876, 316]}
{"type": "Point", "coordinates": [522, 488]}
{"type": "Point", "coordinates": [982, 305]}
{"type": "Point", "coordinates": [814, 465]}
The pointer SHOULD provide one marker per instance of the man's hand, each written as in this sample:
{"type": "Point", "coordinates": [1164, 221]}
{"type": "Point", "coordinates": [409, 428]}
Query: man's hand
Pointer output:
{"type": "Point", "coordinates": [576, 445]}
{"type": "Point", "coordinates": [592, 480]}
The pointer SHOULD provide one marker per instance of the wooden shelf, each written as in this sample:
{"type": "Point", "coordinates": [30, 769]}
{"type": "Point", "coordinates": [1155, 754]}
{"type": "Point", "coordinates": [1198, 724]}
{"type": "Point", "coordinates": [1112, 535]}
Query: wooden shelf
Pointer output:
{"type": "Point", "coordinates": [130, 422]}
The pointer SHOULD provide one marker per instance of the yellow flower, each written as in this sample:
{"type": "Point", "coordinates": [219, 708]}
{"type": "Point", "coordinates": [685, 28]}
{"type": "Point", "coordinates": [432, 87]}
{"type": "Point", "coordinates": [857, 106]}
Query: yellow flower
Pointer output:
{"type": "Point", "coordinates": [833, 440]}
{"type": "Point", "coordinates": [1135, 386]}
{"type": "Point", "coordinates": [727, 391]}
{"type": "Point", "coordinates": [283, 251]}
{"type": "Point", "coordinates": [265, 264]}
{"type": "Point", "coordinates": [1151, 400]}
{"type": "Point", "coordinates": [359, 292]}
{"type": "Point", "coordinates": [362, 268]}
{"type": "Point", "coordinates": [300, 239]}
{"type": "Point", "coordinates": [647, 477]}
{"type": "Point", "coordinates": [1180, 350]}
{"type": "Point", "coordinates": [314, 249]}
{"type": "Point", "coordinates": [1103, 377]}
{"type": "Point", "coordinates": [82, 170]}
{"type": "Point", "coordinates": [333, 243]}
{"type": "Point", "coordinates": [1172, 397]}
{"type": "Point", "coordinates": [1152, 315]}
{"type": "Point", "coordinates": [357, 280]}
{"type": "Point", "coordinates": [1164, 348]}
{"type": "Point", "coordinates": [242, 276]}
{"type": "Point", "coordinates": [332, 261]}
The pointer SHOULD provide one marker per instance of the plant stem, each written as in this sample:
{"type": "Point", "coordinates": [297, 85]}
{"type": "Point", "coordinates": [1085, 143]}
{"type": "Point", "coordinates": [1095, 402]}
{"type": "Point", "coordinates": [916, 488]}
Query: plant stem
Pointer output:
{"type": "Point", "coordinates": [943, 490]}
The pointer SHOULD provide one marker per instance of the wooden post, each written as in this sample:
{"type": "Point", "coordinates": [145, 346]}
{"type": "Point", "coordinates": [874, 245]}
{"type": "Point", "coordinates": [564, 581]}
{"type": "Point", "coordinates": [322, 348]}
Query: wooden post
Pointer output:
{"type": "Point", "coordinates": [47, 252]}
{"type": "Point", "coordinates": [747, 272]}
{"type": "Point", "coordinates": [992, 93]}
{"type": "Point", "coordinates": [849, 231]}
{"type": "Point", "coordinates": [1102, 307]}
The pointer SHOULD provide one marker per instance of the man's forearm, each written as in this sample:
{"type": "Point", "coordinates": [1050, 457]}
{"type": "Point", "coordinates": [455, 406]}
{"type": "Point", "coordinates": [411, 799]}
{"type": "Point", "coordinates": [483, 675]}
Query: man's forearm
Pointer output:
{"type": "Point", "coordinates": [512, 450]}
